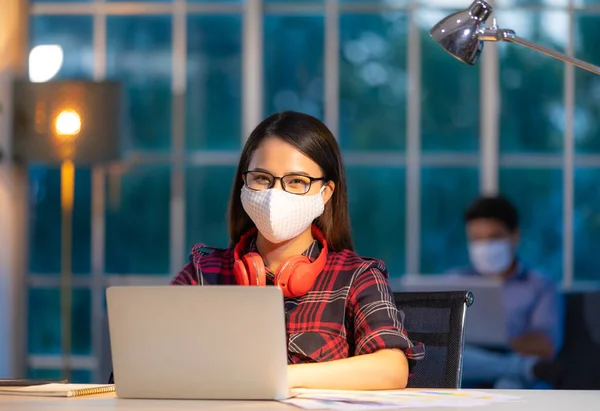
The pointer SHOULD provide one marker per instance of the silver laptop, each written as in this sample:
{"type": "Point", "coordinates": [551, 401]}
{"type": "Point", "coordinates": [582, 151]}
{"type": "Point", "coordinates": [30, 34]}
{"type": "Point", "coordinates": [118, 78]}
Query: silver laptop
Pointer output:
{"type": "Point", "coordinates": [486, 318]}
{"type": "Point", "coordinates": [219, 342]}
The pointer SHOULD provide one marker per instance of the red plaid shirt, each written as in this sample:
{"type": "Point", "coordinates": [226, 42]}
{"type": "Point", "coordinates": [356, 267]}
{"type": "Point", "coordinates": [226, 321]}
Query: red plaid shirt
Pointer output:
{"type": "Point", "coordinates": [349, 311]}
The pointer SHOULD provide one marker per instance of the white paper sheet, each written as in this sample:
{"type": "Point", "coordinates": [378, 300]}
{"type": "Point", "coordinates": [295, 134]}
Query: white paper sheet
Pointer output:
{"type": "Point", "coordinates": [372, 400]}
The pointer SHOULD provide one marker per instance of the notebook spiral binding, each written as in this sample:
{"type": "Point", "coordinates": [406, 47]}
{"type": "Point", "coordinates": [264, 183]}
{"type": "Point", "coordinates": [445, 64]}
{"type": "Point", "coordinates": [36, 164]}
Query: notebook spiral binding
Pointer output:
{"type": "Point", "coordinates": [92, 391]}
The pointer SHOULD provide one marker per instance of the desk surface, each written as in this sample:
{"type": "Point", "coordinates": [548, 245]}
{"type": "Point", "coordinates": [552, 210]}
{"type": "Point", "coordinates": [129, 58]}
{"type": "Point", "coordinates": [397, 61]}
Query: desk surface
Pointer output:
{"type": "Point", "coordinates": [531, 400]}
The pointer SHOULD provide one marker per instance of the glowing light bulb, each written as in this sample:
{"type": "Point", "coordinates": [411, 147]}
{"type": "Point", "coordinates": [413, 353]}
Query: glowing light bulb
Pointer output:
{"type": "Point", "coordinates": [68, 123]}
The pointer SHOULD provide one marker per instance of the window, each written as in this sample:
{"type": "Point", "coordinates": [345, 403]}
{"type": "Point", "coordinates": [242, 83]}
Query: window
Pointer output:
{"type": "Point", "coordinates": [293, 63]}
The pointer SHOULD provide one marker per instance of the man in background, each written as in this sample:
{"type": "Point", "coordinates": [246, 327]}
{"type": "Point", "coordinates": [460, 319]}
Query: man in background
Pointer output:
{"type": "Point", "coordinates": [533, 306]}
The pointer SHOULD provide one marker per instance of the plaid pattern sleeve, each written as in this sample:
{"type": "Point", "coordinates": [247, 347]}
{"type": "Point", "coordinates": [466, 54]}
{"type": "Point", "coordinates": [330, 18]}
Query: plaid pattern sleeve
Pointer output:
{"type": "Point", "coordinates": [377, 322]}
{"type": "Point", "coordinates": [187, 276]}
{"type": "Point", "coordinates": [206, 266]}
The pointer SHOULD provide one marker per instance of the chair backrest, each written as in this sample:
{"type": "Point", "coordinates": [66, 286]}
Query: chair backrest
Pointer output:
{"type": "Point", "coordinates": [577, 366]}
{"type": "Point", "coordinates": [438, 321]}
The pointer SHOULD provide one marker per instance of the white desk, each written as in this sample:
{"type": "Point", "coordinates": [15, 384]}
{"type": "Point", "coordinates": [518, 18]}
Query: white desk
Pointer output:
{"type": "Point", "coordinates": [531, 401]}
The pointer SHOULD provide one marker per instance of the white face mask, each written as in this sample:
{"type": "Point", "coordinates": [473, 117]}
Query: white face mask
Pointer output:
{"type": "Point", "coordinates": [279, 215]}
{"type": "Point", "coordinates": [491, 257]}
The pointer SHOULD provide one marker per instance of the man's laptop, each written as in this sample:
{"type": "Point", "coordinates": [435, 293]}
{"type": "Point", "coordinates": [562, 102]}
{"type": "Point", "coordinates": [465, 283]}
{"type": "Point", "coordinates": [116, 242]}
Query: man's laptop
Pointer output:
{"type": "Point", "coordinates": [220, 342]}
{"type": "Point", "coordinates": [486, 319]}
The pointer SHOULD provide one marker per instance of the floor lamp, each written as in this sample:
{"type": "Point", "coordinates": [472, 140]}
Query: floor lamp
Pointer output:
{"type": "Point", "coordinates": [463, 33]}
{"type": "Point", "coordinates": [68, 123]}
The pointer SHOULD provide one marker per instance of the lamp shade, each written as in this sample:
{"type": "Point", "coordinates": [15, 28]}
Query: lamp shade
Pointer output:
{"type": "Point", "coordinates": [458, 33]}
{"type": "Point", "coordinates": [67, 120]}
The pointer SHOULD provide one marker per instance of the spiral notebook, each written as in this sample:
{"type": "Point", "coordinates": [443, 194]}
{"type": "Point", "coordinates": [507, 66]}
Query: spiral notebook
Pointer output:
{"type": "Point", "coordinates": [58, 390]}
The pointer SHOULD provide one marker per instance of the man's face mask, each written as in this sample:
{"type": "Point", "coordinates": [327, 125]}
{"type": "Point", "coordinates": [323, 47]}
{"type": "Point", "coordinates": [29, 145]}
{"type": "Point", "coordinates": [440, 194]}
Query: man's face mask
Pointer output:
{"type": "Point", "coordinates": [491, 257]}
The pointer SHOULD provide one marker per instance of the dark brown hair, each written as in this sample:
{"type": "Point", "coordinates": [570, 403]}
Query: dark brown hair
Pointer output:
{"type": "Point", "coordinates": [496, 208]}
{"type": "Point", "coordinates": [312, 138]}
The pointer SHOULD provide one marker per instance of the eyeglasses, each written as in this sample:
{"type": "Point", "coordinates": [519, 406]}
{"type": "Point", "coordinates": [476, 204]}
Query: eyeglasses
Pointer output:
{"type": "Point", "coordinates": [292, 183]}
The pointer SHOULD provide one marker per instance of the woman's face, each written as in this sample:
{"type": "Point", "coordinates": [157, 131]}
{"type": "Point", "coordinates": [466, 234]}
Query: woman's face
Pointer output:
{"type": "Point", "coordinates": [279, 158]}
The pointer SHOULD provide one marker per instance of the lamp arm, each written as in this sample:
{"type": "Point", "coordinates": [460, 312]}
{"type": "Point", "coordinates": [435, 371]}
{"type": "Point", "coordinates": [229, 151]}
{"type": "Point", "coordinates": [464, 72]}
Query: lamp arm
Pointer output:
{"type": "Point", "coordinates": [495, 34]}
{"type": "Point", "coordinates": [553, 53]}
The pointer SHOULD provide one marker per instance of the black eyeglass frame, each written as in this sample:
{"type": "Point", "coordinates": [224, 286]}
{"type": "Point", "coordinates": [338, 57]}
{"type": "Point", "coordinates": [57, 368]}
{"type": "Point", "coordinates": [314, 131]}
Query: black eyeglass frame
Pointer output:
{"type": "Point", "coordinates": [275, 178]}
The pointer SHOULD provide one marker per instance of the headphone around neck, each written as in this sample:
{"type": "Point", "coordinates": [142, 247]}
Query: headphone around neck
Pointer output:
{"type": "Point", "coordinates": [295, 276]}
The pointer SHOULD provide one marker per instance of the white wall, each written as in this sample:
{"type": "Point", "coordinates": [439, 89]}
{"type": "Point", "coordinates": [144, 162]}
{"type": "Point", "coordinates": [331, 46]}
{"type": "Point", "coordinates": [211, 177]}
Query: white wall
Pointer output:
{"type": "Point", "coordinates": [13, 190]}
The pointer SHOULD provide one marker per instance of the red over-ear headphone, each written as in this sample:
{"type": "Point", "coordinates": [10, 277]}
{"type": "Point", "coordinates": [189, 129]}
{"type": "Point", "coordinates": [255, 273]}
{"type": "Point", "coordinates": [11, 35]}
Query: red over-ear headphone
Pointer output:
{"type": "Point", "coordinates": [295, 276]}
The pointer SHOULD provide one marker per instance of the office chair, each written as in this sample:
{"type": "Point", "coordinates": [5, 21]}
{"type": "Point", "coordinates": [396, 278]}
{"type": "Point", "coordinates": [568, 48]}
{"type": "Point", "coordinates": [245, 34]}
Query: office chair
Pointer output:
{"type": "Point", "coordinates": [577, 365]}
{"type": "Point", "coordinates": [438, 321]}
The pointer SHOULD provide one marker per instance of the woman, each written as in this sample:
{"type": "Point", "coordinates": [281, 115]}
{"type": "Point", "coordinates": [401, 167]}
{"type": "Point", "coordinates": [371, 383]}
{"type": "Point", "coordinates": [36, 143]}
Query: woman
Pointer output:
{"type": "Point", "coordinates": [289, 226]}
